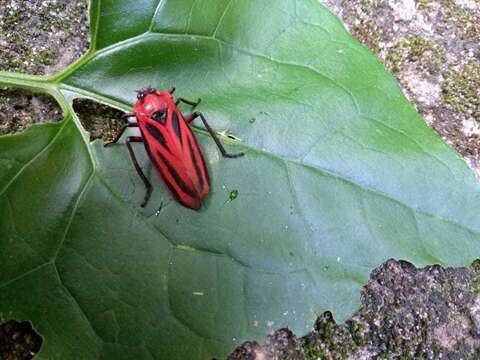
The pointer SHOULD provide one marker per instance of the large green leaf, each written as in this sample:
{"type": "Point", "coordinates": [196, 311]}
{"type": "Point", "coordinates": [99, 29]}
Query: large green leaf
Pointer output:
{"type": "Point", "coordinates": [340, 173]}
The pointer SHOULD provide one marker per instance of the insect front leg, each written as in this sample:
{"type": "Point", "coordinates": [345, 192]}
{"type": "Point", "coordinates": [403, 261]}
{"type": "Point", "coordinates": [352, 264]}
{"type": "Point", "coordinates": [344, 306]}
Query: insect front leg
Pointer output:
{"type": "Point", "coordinates": [119, 135]}
{"type": "Point", "coordinates": [148, 186]}
{"type": "Point", "coordinates": [224, 152]}
{"type": "Point", "coordinates": [189, 102]}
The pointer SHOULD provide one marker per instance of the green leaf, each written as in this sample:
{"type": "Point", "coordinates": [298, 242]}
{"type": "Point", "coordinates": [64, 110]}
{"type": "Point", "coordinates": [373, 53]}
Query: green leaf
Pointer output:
{"type": "Point", "coordinates": [340, 173]}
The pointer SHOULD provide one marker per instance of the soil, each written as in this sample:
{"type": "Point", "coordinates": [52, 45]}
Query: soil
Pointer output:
{"type": "Point", "coordinates": [101, 121]}
{"type": "Point", "coordinates": [432, 47]}
{"type": "Point", "coordinates": [18, 108]}
{"type": "Point", "coordinates": [18, 341]}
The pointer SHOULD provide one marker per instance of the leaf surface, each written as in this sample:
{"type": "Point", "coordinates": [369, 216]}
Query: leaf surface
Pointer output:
{"type": "Point", "coordinates": [340, 174]}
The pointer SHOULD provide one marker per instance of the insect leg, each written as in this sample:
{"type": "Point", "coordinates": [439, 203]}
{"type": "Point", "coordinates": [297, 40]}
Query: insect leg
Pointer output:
{"type": "Point", "coordinates": [172, 90]}
{"type": "Point", "coordinates": [212, 134]}
{"type": "Point", "coordinates": [189, 118]}
{"type": "Point", "coordinates": [119, 135]}
{"type": "Point", "coordinates": [127, 115]}
{"type": "Point", "coordinates": [189, 102]}
{"type": "Point", "coordinates": [148, 186]}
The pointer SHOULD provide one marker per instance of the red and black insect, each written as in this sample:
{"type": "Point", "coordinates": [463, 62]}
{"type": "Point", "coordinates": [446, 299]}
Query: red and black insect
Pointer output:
{"type": "Point", "coordinates": [171, 145]}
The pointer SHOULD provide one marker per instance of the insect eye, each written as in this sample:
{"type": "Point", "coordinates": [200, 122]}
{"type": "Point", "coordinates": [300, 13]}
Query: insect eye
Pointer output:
{"type": "Point", "coordinates": [159, 116]}
{"type": "Point", "coordinates": [144, 91]}
{"type": "Point", "coordinates": [141, 94]}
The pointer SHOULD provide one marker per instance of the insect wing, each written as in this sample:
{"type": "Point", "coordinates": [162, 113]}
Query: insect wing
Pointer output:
{"type": "Point", "coordinates": [175, 152]}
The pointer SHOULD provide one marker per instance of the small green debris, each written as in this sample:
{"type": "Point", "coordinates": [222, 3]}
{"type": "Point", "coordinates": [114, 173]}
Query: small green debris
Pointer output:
{"type": "Point", "coordinates": [233, 195]}
{"type": "Point", "coordinates": [252, 120]}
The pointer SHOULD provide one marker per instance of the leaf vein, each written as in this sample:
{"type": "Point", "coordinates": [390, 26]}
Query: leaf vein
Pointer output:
{"type": "Point", "coordinates": [33, 159]}
{"type": "Point", "coordinates": [74, 211]}
{"type": "Point", "coordinates": [221, 19]}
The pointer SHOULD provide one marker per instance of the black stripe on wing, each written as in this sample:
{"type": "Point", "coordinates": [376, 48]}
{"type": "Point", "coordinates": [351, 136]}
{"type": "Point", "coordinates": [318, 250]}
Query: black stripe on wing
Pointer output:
{"type": "Point", "coordinates": [157, 134]}
{"type": "Point", "coordinates": [176, 126]}
{"type": "Point", "coordinates": [178, 180]}
{"type": "Point", "coordinates": [160, 116]}
{"type": "Point", "coordinates": [195, 164]}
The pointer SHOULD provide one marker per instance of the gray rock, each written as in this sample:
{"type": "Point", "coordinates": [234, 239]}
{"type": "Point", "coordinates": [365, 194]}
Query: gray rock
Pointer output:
{"type": "Point", "coordinates": [406, 313]}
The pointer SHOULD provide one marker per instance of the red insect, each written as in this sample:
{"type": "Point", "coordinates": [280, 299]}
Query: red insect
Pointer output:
{"type": "Point", "coordinates": [171, 146]}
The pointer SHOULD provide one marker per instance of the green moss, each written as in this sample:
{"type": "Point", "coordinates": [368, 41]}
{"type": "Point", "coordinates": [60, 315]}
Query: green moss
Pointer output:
{"type": "Point", "coordinates": [11, 18]}
{"type": "Point", "coordinates": [335, 340]}
{"type": "Point", "coordinates": [369, 35]}
{"type": "Point", "coordinates": [312, 351]}
{"type": "Point", "coordinates": [21, 55]}
{"type": "Point", "coordinates": [414, 49]}
{"type": "Point", "coordinates": [461, 89]}
{"type": "Point", "coordinates": [370, 2]}
{"type": "Point", "coordinates": [23, 58]}
{"type": "Point", "coordinates": [419, 46]}
{"type": "Point", "coordinates": [475, 287]}
{"type": "Point", "coordinates": [423, 4]}
{"type": "Point", "coordinates": [475, 265]}
{"type": "Point", "coordinates": [356, 329]}
{"type": "Point", "coordinates": [467, 21]}
{"type": "Point", "coordinates": [45, 26]}
{"type": "Point", "coordinates": [45, 57]}
{"type": "Point", "coordinates": [30, 28]}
